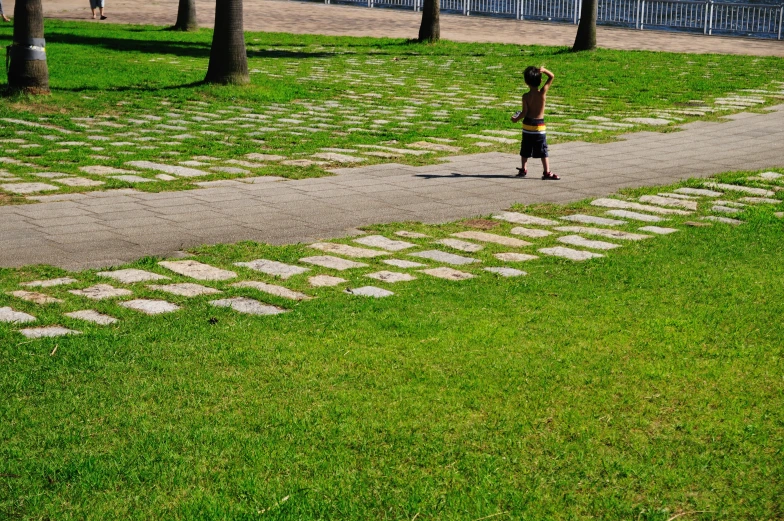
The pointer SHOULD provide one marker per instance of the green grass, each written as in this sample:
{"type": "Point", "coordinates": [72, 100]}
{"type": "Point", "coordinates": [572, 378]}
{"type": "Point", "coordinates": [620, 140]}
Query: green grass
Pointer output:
{"type": "Point", "coordinates": [113, 73]}
{"type": "Point", "coordinates": [637, 386]}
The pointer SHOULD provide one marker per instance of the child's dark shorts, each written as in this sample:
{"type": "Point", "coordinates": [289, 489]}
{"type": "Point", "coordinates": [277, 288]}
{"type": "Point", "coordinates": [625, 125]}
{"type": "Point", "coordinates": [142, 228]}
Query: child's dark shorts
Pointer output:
{"type": "Point", "coordinates": [534, 139]}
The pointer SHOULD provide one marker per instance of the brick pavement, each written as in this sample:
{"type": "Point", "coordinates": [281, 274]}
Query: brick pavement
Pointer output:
{"type": "Point", "coordinates": [105, 228]}
{"type": "Point", "coordinates": [317, 18]}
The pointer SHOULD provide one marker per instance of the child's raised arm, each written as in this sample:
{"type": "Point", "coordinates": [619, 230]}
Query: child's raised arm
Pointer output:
{"type": "Point", "coordinates": [550, 78]}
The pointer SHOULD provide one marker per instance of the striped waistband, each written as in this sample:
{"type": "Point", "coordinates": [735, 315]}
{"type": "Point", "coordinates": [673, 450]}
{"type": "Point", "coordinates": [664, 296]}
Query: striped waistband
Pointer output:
{"type": "Point", "coordinates": [534, 126]}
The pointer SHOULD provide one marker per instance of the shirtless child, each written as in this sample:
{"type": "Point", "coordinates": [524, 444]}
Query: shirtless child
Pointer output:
{"type": "Point", "coordinates": [534, 137]}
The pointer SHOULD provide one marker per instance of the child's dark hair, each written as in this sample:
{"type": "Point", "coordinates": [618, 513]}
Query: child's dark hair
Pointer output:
{"type": "Point", "coordinates": [533, 76]}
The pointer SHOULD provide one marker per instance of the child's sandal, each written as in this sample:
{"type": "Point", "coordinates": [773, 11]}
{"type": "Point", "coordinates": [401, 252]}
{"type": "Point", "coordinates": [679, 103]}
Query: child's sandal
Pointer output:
{"type": "Point", "coordinates": [549, 176]}
{"type": "Point", "coordinates": [521, 172]}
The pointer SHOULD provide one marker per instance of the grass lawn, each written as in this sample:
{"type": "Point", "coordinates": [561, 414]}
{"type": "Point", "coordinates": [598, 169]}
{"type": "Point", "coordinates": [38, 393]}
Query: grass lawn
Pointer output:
{"type": "Point", "coordinates": [641, 385]}
{"type": "Point", "coordinates": [133, 93]}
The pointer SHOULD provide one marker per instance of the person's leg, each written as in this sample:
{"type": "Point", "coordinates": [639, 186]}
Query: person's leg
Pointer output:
{"type": "Point", "coordinates": [546, 165]}
{"type": "Point", "coordinates": [2, 14]}
{"type": "Point", "coordinates": [100, 9]}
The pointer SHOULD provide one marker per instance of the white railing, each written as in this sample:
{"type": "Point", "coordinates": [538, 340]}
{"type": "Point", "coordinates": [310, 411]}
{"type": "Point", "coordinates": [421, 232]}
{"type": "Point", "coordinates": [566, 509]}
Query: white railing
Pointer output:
{"type": "Point", "coordinates": [706, 16]}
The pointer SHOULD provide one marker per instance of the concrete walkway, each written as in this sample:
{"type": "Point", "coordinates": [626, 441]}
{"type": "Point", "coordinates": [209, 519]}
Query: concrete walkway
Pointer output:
{"type": "Point", "coordinates": [105, 228]}
{"type": "Point", "coordinates": [317, 18]}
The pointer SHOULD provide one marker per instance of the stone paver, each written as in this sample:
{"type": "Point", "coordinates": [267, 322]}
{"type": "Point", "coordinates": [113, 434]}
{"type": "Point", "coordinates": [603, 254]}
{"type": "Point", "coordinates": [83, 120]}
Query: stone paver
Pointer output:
{"type": "Point", "coordinates": [457, 244]}
{"type": "Point", "coordinates": [48, 332]}
{"type": "Point", "coordinates": [592, 219]}
{"type": "Point", "coordinates": [9, 315]}
{"type": "Point", "coordinates": [184, 289]}
{"type": "Point", "coordinates": [492, 238]}
{"type": "Point", "coordinates": [370, 291]}
{"type": "Point", "coordinates": [197, 270]}
{"type": "Point", "coordinates": [335, 263]}
{"type": "Point", "coordinates": [130, 276]}
{"type": "Point", "coordinates": [576, 240]}
{"type": "Point", "coordinates": [760, 192]}
{"type": "Point", "coordinates": [636, 216]}
{"type": "Point", "coordinates": [150, 306]}
{"type": "Point", "coordinates": [247, 306]}
{"type": "Point", "coordinates": [448, 273]}
{"type": "Point", "coordinates": [533, 233]}
{"type": "Point", "coordinates": [391, 276]}
{"type": "Point", "coordinates": [101, 292]}
{"type": "Point", "coordinates": [515, 257]}
{"type": "Point", "coordinates": [400, 263]}
{"type": "Point", "coordinates": [506, 272]}
{"type": "Point", "coordinates": [379, 241]}
{"type": "Point", "coordinates": [444, 257]}
{"type": "Point", "coordinates": [348, 251]}
{"type": "Point", "coordinates": [325, 281]}
{"type": "Point", "coordinates": [658, 230]}
{"type": "Point", "coordinates": [569, 253]}
{"type": "Point", "coordinates": [724, 220]}
{"type": "Point", "coordinates": [275, 268]}
{"type": "Point", "coordinates": [699, 191]}
{"type": "Point", "coordinates": [520, 218]}
{"type": "Point", "coordinates": [272, 289]}
{"type": "Point", "coordinates": [607, 202]}
{"type": "Point", "coordinates": [602, 232]}
{"type": "Point", "coordinates": [62, 281]}
{"type": "Point", "coordinates": [35, 297]}
{"type": "Point", "coordinates": [90, 315]}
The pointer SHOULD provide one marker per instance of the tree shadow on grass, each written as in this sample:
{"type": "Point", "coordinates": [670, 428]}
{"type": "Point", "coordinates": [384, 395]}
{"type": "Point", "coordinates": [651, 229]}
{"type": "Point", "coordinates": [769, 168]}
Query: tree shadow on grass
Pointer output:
{"type": "Point", "coordinates": [179, 48]}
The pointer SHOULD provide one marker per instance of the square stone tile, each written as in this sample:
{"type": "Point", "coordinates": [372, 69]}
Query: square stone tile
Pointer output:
{"type": "Point", "coordinates": [520, 218]}
{"type": "Point", "coordinates": [669, 201]}
{"type": "Point", "coordinates": [699, 192]}
{"type": "Point", "coordinates": [457, 244]}
{"type": "Point", "coordinates": [130, 276]}
{"type": "Point", "coordinates": [506, 272]}
{"type": "Point", "coordinates": [90, 315]}
{"type": "Point", "coordinates": [514, 257]}
{"type": "Point", "coordinates": [197, 270]}
{"type": "Point", "coordinates": [759, 192]}
{"type": "Point", "coordinates": [658, 230]}
{"type": "Point", "coordinates": [278, 291]}
{"type": "Point", "coordinates": [448, 273]}
{"type": "Point", "coordinates": [79, 181]}
{"type": "Point", "coordinates": [602, 232]}
{"type": "Point", "coordinates": [444, 257]}
{"type": "Point", "coordinates": [101, 291]}
{"type": "Point", "coordinates": [335, 263]}
{"type": "Point", "coordinates": [275, 268]}
{"type": "Point", "coordinates": [606, 202]}
{"type": "Point", "coordinates": [636, 216]}
{"type": "Point", "coordinates": [35, 297]}
{"type": "Point", "coordinates": [576, 240]}
{"type": "Point", "coordinates": [247, 306]}
{"type": "Point", "coordinates": [592, 219]}
{"type": "Point", "coordinates": [321, 281]}
{"type": "Point", "coordinates": [48, 332]}
{"type": "Point", "coordinates": [8, 315]}
{"type": "Point", "coordinates": [411, 235]}
{"type": "Point", "coordinates": [62, 281]}
{"type": "Point", "coordinates": [348, 251]}
{"type": "Point", "coordinates": [28, 188]}
{"type": "Point", "coordinates": [150, 306]}
{"type": "Point", "coordinates": [391, 276]}
{"type": "Point", "coordinates": [533, 233]}
{"type": "Point", "coordinates": [185, 289]}
{"type": "Point", "coordinates": [492, 238]}
{"type": "Point", "coordinates": [370, 291]}
{"type": "Point", "coordinates": [379, 241]}
{"type": "Point", "coordinates": [569, 253]}
{"type": "Point", "coordinates": [399, 263]}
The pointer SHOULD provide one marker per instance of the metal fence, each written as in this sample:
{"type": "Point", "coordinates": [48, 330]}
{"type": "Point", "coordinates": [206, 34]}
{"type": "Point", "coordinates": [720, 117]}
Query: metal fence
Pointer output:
{"type": "Point", "coordinates": [708, 17]}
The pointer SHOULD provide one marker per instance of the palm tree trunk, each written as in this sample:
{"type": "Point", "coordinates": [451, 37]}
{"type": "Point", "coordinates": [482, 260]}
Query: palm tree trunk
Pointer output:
{"type": "Point", "coordinates": [228, 57]}
{"type": "Point", "coordinates": [27, 71]}
{"type": "Point", "coordinates": [430, 28]}
{"type": "Point", "coordinates": [586, 31]}
{"type": "Point", "coordinates": [186, 16]}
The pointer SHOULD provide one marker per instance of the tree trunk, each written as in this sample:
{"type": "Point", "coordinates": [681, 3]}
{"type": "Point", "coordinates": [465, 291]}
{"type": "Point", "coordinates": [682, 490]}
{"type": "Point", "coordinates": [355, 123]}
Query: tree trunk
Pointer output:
{"type": "Point", "coordinates": [228, 57]}
{"type": "Point", "coordinates": [27, 71]}
{"type": "Point", "coordinates": [430, 28]}
{"type": "Point", "coordinates": [186, 16]}
{"type": "Point", "coordinates": [586, 31]}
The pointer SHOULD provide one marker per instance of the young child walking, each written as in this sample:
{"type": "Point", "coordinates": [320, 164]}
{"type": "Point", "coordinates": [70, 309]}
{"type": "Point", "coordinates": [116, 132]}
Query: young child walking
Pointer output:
{"type": "Point", "coordinates": [534, 131]}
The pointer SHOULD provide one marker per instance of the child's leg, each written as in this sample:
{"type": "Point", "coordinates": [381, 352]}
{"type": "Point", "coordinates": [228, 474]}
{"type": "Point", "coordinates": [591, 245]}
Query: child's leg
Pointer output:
{"type": "Point", "coordinates": [546, 164]}
{"type": "Point", "coordinates": [521, 172]}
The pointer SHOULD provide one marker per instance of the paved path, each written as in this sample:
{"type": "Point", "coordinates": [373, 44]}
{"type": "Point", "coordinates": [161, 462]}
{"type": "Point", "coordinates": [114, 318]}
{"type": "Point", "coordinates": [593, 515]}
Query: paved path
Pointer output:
{"type": "Point", "coordinates": [317, 18]}
{"type": "Point", "coordinates": [104, 228]}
